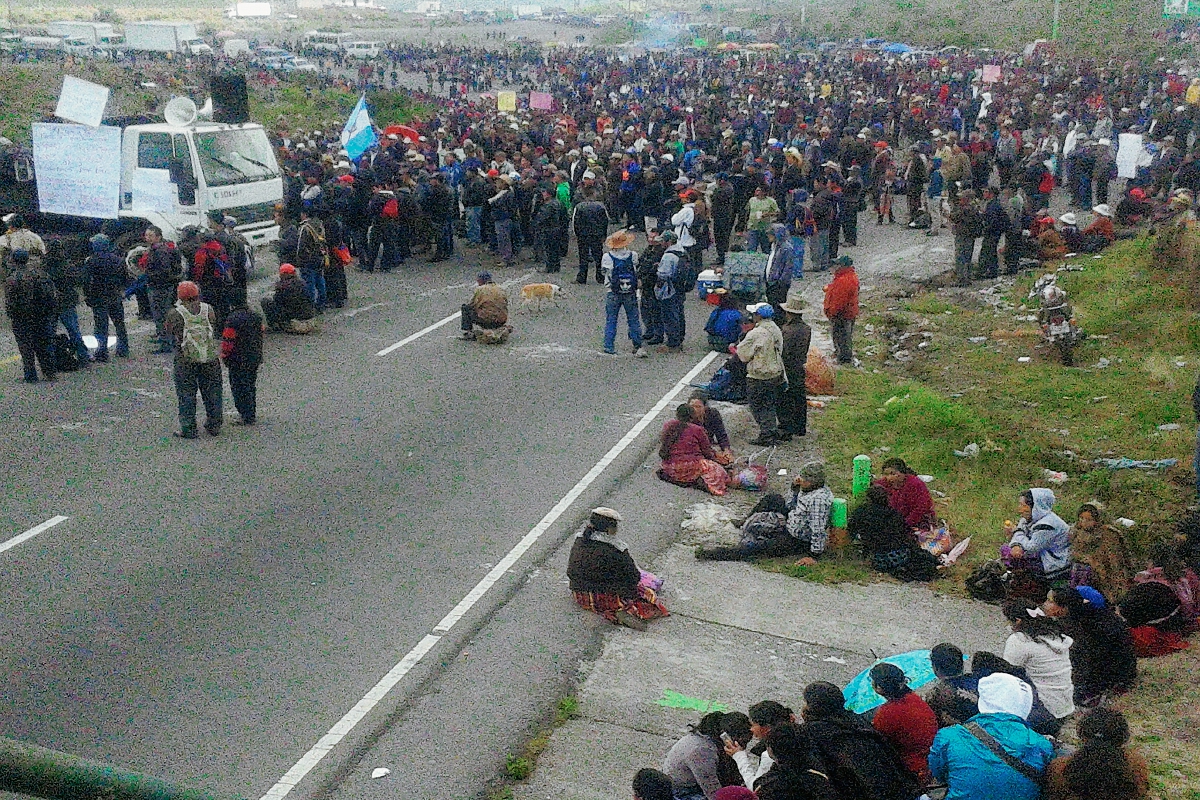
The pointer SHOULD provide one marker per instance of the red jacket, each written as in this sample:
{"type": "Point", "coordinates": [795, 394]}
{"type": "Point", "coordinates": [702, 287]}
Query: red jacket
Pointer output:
{"type": "Point", "coordinates": [841, 295]}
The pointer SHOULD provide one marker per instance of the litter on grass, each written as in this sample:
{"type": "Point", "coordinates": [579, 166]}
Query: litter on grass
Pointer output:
{"type": "Point", "coordinates": [970, 451]}
{"type": "Point", "coordinates": [1130, 463]}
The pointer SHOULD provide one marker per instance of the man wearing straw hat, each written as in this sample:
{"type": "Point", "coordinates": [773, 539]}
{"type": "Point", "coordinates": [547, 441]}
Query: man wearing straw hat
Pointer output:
{"type": "Point", "coordinates": [620, 278]}
{"type": "Point", "coordinates": [797, 337]}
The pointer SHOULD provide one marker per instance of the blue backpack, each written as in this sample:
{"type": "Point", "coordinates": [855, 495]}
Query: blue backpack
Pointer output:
{"type": "Point", "coordinates": [623, 279]}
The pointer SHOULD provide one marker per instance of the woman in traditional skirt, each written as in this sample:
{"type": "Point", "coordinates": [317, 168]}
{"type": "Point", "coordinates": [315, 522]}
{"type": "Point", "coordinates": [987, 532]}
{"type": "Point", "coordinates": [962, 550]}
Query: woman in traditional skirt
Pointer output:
{"type": "Point", "coordinates": [604, 577]}
{"type": "Point", "coordinates": [687, 456]}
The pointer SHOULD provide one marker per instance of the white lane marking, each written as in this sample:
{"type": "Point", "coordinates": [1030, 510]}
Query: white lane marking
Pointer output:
{"type": "Point", "coordinates": [430, 328]}
{"type": "Point", "coordinates": [506, 563]}
{"type": "Point", "coordinates": [350, 719]}
{"type": "Point", "coordinates": [419, 334]}
{"type": "Point", "coordinates": [355, 715]}
{"type": "Point", "coordinates": [32, 532]}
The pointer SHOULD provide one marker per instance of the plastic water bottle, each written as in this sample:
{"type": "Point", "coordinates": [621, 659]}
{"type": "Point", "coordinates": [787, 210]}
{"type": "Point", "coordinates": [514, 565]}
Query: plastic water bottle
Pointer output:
{"type": "Point", "coordinates": [837, 514]}
{"type": "Point", "coordinates": [862, 475]}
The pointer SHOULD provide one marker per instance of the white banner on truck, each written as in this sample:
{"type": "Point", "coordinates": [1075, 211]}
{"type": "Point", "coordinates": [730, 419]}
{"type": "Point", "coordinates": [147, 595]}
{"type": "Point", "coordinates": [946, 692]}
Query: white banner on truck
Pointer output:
{"type": "Point", "coordinates": [81, 101]}
{"type": "Point", "coordinates": [153, 191]}
{"type": "Point", "coordinates": [78, 169]}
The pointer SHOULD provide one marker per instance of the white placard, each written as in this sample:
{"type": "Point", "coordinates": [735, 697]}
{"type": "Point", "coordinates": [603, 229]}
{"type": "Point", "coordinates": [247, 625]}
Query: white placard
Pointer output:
{"type": "Point", "coordinates": [1129, 151]}
{"type": "Point", "coordinates": [153, 191]}
{"type": "Point", "coordinates": [81, 101]}
{"type": "Point", "coordinates": [78, 169]}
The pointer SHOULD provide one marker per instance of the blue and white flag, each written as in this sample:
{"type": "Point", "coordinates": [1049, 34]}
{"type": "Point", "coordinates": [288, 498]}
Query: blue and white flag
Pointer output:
{"type": "Point", "coordinates": [359, 135]}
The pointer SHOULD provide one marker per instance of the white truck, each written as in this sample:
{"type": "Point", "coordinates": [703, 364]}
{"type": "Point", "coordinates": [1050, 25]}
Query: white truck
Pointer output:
{"type": "Point", "coordinates": [92, 32]}
{"type": "Point", "coordinates": [165, 37]}
{"type": "Point", "coordinates": [171, 174]}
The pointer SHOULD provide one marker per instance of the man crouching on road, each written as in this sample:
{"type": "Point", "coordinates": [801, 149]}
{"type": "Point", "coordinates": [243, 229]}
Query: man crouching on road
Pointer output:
{"type": "Point", "coordinates": [488, 307]}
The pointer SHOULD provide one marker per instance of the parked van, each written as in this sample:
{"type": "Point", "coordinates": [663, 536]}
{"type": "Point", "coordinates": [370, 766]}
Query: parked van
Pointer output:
{"type": "Point", "coordinates": [325, 40]}
{"type": "Point", "coordinates": [363, 49]}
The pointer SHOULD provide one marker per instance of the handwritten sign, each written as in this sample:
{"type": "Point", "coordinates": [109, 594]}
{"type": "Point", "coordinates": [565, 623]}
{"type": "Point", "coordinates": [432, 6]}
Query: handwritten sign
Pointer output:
{"type": "Point", "coordinates": [81, 101]}
{"type": "Point", "coordinates": [506, 101]}
{"type": "Point", "coordinates": [153, 191]}
{"type": "Point", "coordinates": [1129, 152]}
{"type": "Point", "coordinates": [542, 101]}
{"type": "Point", "coordinates": [78, 169]}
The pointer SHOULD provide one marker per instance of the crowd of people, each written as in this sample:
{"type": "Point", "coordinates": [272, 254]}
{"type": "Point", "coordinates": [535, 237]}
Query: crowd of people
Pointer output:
{"type": "Point", "coordinates": [993, 730]}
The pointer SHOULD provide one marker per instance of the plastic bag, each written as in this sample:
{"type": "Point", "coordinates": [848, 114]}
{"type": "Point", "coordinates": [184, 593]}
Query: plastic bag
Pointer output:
{"type": "Point", "coordinates": [936, 540]}
{"type": "Point", "coordinates": [818, 373]}
{"type": "Point", "coordinates": [752, 478]}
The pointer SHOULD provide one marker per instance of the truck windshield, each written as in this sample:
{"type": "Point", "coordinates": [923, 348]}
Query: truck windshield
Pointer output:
{"type": "Point", "coordinates": [236, 156]}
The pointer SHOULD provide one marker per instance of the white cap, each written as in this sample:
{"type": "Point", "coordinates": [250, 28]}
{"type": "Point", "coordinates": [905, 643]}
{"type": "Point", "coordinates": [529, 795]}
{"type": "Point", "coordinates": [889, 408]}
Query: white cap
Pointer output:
{"type": "Point", "coordinates": [1005, 694]}
{"type": "Point", "coordinates": [681, 181]}
{"type": "Point", "coordinates": [605, 511]}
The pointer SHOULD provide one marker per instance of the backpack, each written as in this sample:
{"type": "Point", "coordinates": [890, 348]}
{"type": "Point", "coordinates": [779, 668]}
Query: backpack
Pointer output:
{"type": "Point", "coordinates": [989, 582]}
{"type": "Point", "coordinates": [199, 346]}
{"type": "Point", "coordinates": [213, 265]}
{"type": "Point", "coordinates": [315, 241]}
{"type": "Point", "coordinates": [65, 359]}
{"type": "Point", "coordinates": [391, 209]}
{"type": "Point", "coordinates": [810, 222]}
{"type": "Point", "coordinates": [622, 280]}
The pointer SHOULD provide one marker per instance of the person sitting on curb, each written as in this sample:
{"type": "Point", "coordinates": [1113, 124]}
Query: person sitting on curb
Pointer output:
{"type": "Point", "coordinates": [808, 512]}
{"type": "Point", "coordinates": [710, 419]}
{"type": "Point", "coordinates": [954, 697]}
{"type": "Point", "coordinates": [604, 578]}
{"type": "Point", "coordinates": [290, 308]}
{"type": "Point", "coordinates": [887, 541]}
{"type": "Point", "coordinates": [905, 719]}
{"type": "Point", "coordinates": [1104, 767]}
{"type": "Point", "coordinates": [860, 761]}
{"type": "Point", "coordinates": [754, 761]}
{"type": "Point", "coordinates": [994, 754]}
{"type": "Point", "coordinates": [687, 457]}
{"type": "Point", "coordinates": [797, 772]}
{"type": "Point", "coordinates": [488, 308]}
{"type": "Point", "coordinates": [650, 784]}
{"type": "Point", "coordinates": [692, 762]}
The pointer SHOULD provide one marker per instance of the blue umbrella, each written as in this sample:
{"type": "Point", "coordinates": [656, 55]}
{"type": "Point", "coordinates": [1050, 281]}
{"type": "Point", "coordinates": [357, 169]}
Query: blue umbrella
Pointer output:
{"type": "Point", "coordinates": [896, 47]}
{"type": "Point", "coordinates": [861, 695]}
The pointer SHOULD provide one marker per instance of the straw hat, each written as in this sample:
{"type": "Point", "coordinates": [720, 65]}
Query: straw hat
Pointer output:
{"type": "Point", "coordinates": [1068, 219]}
{"type": "Point", "coordinates": [1103, 210]}
{"type": "Point", "coordinates": [620, 240]}
{"type": "Point", "coordinates": [795, 303]}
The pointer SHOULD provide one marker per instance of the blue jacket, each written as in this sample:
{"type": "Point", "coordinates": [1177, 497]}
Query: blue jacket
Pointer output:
{"type": "Point", "coordinates": [974, 772]}
{"type": "Point", "coordinates": [725, 323]}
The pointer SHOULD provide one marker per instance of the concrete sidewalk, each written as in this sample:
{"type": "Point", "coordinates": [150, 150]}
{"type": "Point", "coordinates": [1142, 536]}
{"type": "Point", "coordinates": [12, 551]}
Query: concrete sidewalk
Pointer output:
{"type": "Point", "coordinates": [736, 635]}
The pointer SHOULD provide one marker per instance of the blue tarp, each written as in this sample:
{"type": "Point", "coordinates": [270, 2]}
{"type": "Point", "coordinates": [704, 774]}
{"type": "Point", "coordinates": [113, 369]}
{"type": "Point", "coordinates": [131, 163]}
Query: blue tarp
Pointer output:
{"type": "Point", "coordinates": [861, 696]}
{"type": "Point", "coordinates": [896, 47]}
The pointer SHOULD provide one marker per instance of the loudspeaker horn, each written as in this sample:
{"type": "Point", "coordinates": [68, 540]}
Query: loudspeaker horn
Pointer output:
{"type": "Point", "coordinates": [180, 111]}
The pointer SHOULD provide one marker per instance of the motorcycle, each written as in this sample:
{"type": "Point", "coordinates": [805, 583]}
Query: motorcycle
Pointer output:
{"type": "Point", "coordinates": [1056, 318]}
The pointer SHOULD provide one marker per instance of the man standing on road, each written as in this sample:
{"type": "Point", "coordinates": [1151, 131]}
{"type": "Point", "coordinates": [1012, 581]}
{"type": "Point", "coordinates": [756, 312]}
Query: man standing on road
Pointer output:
{"type": "Point", "coordinates": [666, 292]}
{"type": "Point", "coordinates": [241, 349]}
{"type": "Point", "coordinates": [550, 228]}
{"type": "Point", "coordinates": [192, 325]}
{"type": "Point", "coordinates": [722, 209]}
{"type": "Point", "coordinates": [163, 268]}
{"type": "Point", "coordinates": [19, 237]}
{"type": "Point", "coordinates": [841, 308]}
{"type": "Point", "coordinates": [822, 210]}
{"type": "Point", "coordinates": [620, 277]}
{"type": "Point", "coordinates": [967, 224]}
{"type": "Point", "coordinates": [762, 352]}
{"type": "Point", "coordinates": [103, 283]}
{"type": "Point", "coordinates": [995, 224]}
{"type": "Point", "coordinates": [591, 226]}
{"type": "Point", "coordinates": [31, 303]}
{"type": "Point", "coordinates": [797, 337]}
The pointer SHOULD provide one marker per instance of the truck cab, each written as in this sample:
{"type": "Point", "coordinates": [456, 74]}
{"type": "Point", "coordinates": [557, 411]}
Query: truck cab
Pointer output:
{"type": "Point", "coordinates": [173, 175]}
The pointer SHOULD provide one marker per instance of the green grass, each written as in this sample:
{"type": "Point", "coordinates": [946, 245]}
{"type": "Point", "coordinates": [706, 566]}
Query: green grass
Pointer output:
{"type": "Point", "coordinates": [955, 392]}
{"type": "Point", "coordinates": [520, 765]}
{"type": "Point", "coordinates": [308, 107]}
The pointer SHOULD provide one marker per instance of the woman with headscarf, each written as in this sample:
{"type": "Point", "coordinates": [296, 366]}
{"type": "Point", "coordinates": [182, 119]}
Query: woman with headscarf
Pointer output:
{"type": "Point", "coordinates": [1102, 656]}
{"type": "Point", "coordinates": [604, 578]}
{"type": "Point", "coordinates": [1039, 549]}
{"type": "Point", "coordinates": [687, 457]}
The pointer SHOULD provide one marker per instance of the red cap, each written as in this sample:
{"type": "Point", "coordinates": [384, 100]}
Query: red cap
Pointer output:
{"type": "Point", "coordinates": [881, 145]}
{"type": "Point", "coordinates": [287, 269]}
{"type": "Point", "coordinates": [187, 291]}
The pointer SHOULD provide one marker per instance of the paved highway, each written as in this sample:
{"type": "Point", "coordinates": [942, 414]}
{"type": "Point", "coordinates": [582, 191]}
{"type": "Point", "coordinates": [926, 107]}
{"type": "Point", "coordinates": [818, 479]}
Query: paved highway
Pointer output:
{"type": "Point", "coordinates": [209, 610]}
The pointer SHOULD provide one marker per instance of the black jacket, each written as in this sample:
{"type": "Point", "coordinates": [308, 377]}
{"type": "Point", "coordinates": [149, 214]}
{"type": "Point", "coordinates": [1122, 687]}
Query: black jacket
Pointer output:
{"type": "Point", "coordinates": [859, 760]}
{"type": "Point", "coordinates": [591, 220]}
{"type": "Point", "coordinates": [599, 567]}
{"type": "Point", "coordinates": [242, 339]}
{"type": "Point", "coordinates": [103, 278]}
{"type": "Point", "coordinates": [880, 528]}
{"type": "Point", "coordinates": [30, 296]}
{"type": "Point", "coordinates": [293, 300]}
{"type": "Point", "coordinates": [785, 784]}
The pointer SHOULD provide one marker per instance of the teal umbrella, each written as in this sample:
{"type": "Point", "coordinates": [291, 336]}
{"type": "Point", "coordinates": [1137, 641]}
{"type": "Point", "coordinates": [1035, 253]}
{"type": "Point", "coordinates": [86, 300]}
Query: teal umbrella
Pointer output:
{"type": "Point", "coordinates": [861, 695]}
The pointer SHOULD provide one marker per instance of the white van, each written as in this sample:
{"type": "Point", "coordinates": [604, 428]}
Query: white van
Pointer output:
{"type": "Point", "coordinates": [363, 49]}
{"type": "Point", "coordinates": [326, 40]}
